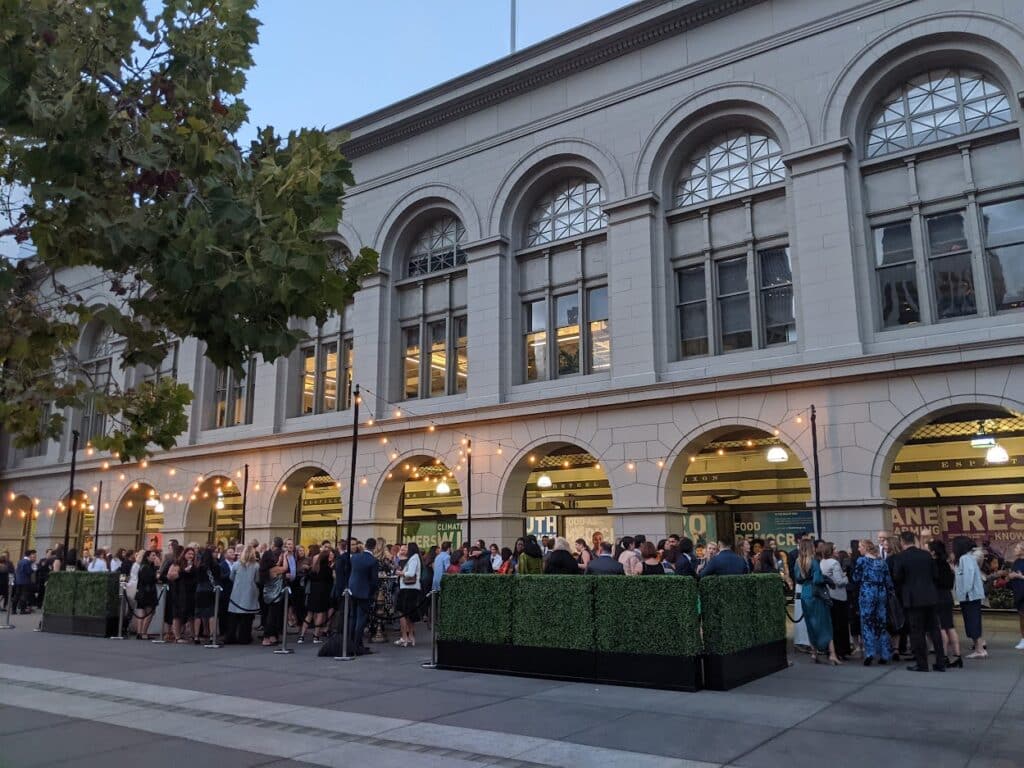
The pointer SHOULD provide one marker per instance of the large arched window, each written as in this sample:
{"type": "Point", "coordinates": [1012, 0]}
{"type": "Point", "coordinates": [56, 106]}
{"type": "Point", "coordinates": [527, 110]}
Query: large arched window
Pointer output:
{"type": "Point", "coordinates": [438, 247]}
{"type": "Point", "coordinates": [944, 198]}
{"type": "Point", "coordinates": [936, 105]}
{"type": "Point", "coordinates": [97, 355]}
{"type": "Point", "coordinates": [432, 312]}
{"type": "Point", "coordinates": [733, 163]}
{"type": "Point", "coordinates": [562, 278]}
{"type": "Point", "coordinates": [730, 252]}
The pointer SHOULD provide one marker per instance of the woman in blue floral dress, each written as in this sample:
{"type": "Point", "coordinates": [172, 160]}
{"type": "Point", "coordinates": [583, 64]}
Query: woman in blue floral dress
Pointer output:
{"type": "Point", "coordinates": [875, 582]}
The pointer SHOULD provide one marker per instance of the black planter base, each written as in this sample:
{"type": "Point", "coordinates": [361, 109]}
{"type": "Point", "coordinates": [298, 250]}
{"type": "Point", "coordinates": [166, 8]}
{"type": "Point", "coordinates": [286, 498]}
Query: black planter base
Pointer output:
{"type": "Point", "coordinates": [91, 626]}
{"type": "Point", "coordinates": [677, 673]}
{"type": "Point", "coordinates": [727, 671]}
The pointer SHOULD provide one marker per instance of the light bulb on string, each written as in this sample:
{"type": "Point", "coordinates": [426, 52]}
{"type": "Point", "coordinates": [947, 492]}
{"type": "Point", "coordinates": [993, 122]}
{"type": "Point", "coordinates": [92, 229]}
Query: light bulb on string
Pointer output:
{"type": "Point", "coordinates": [257, 486]}
{"type": "Point", "coordinates": [431, 428]}
{"type": "Point", "coordinates": [369, 422]}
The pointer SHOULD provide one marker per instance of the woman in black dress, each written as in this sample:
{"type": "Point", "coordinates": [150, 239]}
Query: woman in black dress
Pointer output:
{"type": "Point", "coordinates": [944, 586]}
{"type": "Point", "coordinates": [318, 602]}
{"type": "Point", "coordinates": [650, 565]}
{"type": "Point", "coordinates": [207, 575]}
{"type": "Point", "coordinates": [145, 592]}
{"type": "Point", "coordinates": [183, 592]}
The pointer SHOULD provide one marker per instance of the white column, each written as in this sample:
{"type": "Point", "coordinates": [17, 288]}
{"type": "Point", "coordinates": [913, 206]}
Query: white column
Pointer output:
{"type": "Point", "coordinates": [490, 336]}
{"type": "Point", "coordinates": [371, 340]}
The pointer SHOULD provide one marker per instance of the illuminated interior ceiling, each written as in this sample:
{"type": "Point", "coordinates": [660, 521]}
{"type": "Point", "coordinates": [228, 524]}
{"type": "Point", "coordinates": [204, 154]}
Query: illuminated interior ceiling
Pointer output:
{"type": "Point", "coordinates": [578, 482]}
{"type": "Point", "coordinates": [320, 501]}
{"type": "Point", "coordinates": [422, 497]}
{"type": "Point", "coordinates": [938, 465]}
{"type": "Point", "coordinates": [734, 469]}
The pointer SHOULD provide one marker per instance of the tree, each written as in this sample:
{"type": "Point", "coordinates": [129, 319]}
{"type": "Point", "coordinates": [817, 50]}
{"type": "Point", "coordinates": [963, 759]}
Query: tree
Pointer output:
{"type": "Point", "coordinates": [118, 153]}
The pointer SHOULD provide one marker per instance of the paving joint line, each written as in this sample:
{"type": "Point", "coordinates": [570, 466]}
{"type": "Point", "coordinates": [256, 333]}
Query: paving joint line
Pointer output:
{"type": "Point", "coordinates": [374, 741]}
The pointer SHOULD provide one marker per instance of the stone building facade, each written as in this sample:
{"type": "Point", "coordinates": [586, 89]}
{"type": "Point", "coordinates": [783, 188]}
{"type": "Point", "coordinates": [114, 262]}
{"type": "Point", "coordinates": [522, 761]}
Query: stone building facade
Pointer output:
{"type": "Point", "coordinates": [647, 245]}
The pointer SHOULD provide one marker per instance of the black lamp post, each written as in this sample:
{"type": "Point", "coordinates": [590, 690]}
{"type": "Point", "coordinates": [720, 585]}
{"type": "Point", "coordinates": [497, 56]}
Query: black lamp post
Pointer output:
{"type": "Point", "coordinates": [817, 473]}
{"type": "Point", "coordinates": [469, 492]}
{"type": "Point", "coordinates": [245, 496]}
{"type": "Point", "coordinates": [71, 497]}
{"type": "Point", "coordinates": [356, 400]}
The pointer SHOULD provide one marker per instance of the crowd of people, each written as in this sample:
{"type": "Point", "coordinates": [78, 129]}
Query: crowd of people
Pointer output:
{"type": "Point", "coordinates": [894, 590]}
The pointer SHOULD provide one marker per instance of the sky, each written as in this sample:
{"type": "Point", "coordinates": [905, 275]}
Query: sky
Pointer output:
{"type": "Point", "coordinates": [321, 63]}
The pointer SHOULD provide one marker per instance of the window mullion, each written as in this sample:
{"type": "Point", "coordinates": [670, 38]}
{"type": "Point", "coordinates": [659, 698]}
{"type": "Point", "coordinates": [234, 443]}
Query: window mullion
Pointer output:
{"type": "Point", "coordinates": [921, 259]}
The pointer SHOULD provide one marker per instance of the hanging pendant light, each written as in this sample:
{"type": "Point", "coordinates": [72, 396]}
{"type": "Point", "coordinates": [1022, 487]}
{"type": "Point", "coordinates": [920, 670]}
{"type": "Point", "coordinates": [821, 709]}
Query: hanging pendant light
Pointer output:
{"type": "Point", "coordinates": [220, 501]}
{"type": "Point", "coordinates": [777, 454]}
{"type": "Point", "coordinates": [544, 481]}
{"type": "Point", "coordinates": [981, 439]}
{"type": "Point", "coordinates": [997, 455]}
{"type": "Point", "coordinates": [443, 488]}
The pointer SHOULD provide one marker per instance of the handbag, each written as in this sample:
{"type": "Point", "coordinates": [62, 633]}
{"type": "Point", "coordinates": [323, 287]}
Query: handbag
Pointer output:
{"type": "Point", "coordinates": [820, 592]}
{"type": "Point", "coordinates": [410, 580]}
{"type": "Point", "coordinates": [893, 612]}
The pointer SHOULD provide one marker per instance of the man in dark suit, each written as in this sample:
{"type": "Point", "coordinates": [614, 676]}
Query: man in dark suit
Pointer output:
{"type": "Point", "coordinates": [914, 574]}
{"type": "Point", "coordinates": [686, 564]}
{"type": "Point", "coordinates": [604, 564]}
{"type": "Point", "coordinates": [362, 582]}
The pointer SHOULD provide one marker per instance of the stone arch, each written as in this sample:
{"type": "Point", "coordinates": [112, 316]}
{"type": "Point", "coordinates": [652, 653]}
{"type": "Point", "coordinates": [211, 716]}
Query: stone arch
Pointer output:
{"type": "Point", "coordinates": [891, 444]}
{"type": "Point", "coordinates": [17, 517]}
{"type": "Point", "coordinates": [411, 208]}
{"type": "Point", "coordinates": [285, 502]}
{"type": "Point", "coordinates": [124, 523]}
{"type": "Point", "coordinates": [678, 459]}
{"type": "Point", "coordinates": [518, 469]}
{"type": "Point", "coordinates": [349, 236]}
{"type": "Point", "coordinates": [523, 181]}
{"type": "Point", "coordinates": [387, 491]}
{"type": "Point", "coordinates": [198, 519]}
{"type": "Point", "coordinates": [966, 36]}
{"type": "Point", "coordinates": [712, 108]}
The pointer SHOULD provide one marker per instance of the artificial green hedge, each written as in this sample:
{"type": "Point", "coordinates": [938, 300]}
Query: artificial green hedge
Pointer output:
{"type": "Point", "coordinates": [78, 593]}
{"type": "Point", "coordinates": [655, 615]}
{"type": "Point", "coordinates": [553, 612]}
{"type": "Point", "coordinates": [740, 612]}
{"type": "Point", "coordinates": [476, 609]}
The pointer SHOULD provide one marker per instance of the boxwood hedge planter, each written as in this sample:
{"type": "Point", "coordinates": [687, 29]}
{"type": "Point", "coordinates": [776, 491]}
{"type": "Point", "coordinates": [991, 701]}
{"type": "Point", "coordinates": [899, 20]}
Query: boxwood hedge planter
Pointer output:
{"type": "Point", "coordinates": [595, 629]}
{"type": "Point", "coordinates": [744, 625]}
{"type": "Point", "coordinates": [81, 603]}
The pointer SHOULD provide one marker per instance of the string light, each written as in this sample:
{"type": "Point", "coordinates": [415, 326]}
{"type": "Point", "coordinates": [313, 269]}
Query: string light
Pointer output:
{"type": "Point", "coordinates": [693, 459]}
{"type": "Point", "coordinates": [369, 423]}
{"type": "Point", "coordinates": [799, 419]}
{"type": "Point", "coordinates": [172, 472]}
{"type": "Point", "coordinates": [144, 464]}
{"type": "Point", "coordinates": [238, 474]}
{"type": "Point", "coordinates": [106, 505]}
{"type": "Point", "coordinates": [431, 428]}
{"type": "Point", "coordinates": [95, 489]}
{"type": "Point", "coordinates": [631, 466]}
{"type": "Point", "coordinates": [661, 464]}
{"type": "Point", "coordinates": [362, 481]}
{"type": "Point", "coordinates": [720, 451]}
{"type": "Point", "coordinates": [135, 486]}
{"type": "Point", "coordinates": [498, 450]}
{"type": "Point", "coordinates": [49, 512]}
{"type": "Point", "coordinates": [532, 458]}
{"type": "Point", "coordinates": [398, 413]}
{"type": "Point", "coordinates": [257, 486]}
{"type": "Point", "coordinates": [394, 455]}
{"type": "Point", "coordinates": [36, 501]}
{"type": "Point", "coordinates": [105, 465]}
{"type": "Point", "coordinates": [383, 441]}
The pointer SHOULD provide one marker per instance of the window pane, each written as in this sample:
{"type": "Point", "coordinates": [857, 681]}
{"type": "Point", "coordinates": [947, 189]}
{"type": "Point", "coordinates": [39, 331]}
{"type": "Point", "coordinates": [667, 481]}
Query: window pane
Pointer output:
{"type": "Point", "coordinates": [347, 360]}
{"type": "Point", "coordinates": [220, 399]}
{"type": "Point", "coordinates": [329, 377]}
{"type": "Point", "coordinates": [893, 244]}
{"type": "Point", "coordinates": [535, 340]}
{"type": "Point", "coordinates": [953, 283]}
{"type": "Point", "coordinates": [946, 233]}
{"type": "Point", "coordinates": [1006, 268]}
{"type": "Point", "coordinates": [897, 289]}
{"type": "Point", "coordinates": [461, 354]}
{"type": "Point", "coordinates": [412, 362]}
{"type": "Point", "coordinates": [536, 316]}
{"type": "Point", "coordinates": [693, 329]}
{"type": "Point", "coordinates": [778, 311]}
{"type": "Point", "coordinates": [567, 314]}
{"type": "Point", "coordinates": [600, 341]}
{"type": "Point", "coordinates": [732, 276]}
{"type": "Point", "coordinates": [438, 358]}
{"type": "Point", "coordinates": [690, 282]}
{"type": "Point", "coordinates": [240, 401]}
{"type": "Point", "coordinates": [307, 380]}
{"type": "Point", "coordinates": [1003, 223]}
{"type": "Point", "coordinates": [735, 318]}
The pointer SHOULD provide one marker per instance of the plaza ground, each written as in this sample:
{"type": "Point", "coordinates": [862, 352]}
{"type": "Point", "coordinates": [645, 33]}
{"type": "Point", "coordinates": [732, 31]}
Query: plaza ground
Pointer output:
{"type": "Point", "coordinates": [92, 702]}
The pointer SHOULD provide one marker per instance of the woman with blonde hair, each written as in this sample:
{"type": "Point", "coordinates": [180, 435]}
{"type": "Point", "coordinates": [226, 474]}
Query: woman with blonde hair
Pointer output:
{"type": "Point", "coordinates": [872, 576]}
{"type": "Point", "coordinates": [815, 610]}
{"type": "Point", "coordinates": [243, 603]}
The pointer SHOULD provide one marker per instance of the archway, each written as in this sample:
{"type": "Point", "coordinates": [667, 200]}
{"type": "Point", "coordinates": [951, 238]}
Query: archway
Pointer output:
{"type": "Point", "coordinates": [214, 512]}
{"type": "Point", "coordinates": [17, 525]}
{"type": "Point", "coordinates": [307, 506]}
{"type": "Point", "coordinates": [82, 532]}
{"type": "Point", "coordinates": [562, 490]}
{"type": "Point", "coordinates": [138, 519]}
{"type": "Point", "coordinates": [424, 496]}
{"type": "Point", "coordinates": [960, 474]}
{"type": "Point", "coordinates": [747, 478]}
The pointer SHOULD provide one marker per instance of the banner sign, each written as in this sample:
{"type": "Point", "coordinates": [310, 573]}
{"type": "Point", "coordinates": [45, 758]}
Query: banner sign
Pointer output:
{"type": "Point", "coordinates": [430, 533]}
{"type": "Point", "coordinates": [1000, 524]}
{"type": "Point", "coordinates": [786, 526]}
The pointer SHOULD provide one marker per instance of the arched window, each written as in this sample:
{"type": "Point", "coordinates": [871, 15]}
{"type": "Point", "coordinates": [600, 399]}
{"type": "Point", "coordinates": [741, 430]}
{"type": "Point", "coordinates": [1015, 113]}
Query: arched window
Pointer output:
{"type": "Point", "coordinates": [936, 105]}
{"type": "Point", "coordinates": [946, 224]}
{"type": "Point", "coordinates": [432, 313]}
{"type": "Point", "coordinates": [733, 275]}
{"type": "Point", "coordinates": [438, 247]}
{"type": "Point", "coordinates": [564, 287]}
{"type": "Point", "coordinates": [568, 209]}
{"type": "Point", "coordinates": [733, 163]}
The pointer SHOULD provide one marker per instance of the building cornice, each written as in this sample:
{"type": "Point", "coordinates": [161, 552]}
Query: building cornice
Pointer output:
{"type": "Point", "coordinates": [513, 75]}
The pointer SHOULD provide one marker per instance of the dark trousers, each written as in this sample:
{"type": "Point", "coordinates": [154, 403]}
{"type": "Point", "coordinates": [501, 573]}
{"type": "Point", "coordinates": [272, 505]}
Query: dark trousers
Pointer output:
{"type": "Point", "coordinates": [273, 621]}
{"type": "Point", "coordinates": [357, 623]}
{"type": "Point", "coordinates": [238, 628]}
{"type": "Point", "coordinates": [25, 597]}
{"type": "Point", "coordinates": [923, 620]}
{"type": "Point", "coordinates": [841, 627]}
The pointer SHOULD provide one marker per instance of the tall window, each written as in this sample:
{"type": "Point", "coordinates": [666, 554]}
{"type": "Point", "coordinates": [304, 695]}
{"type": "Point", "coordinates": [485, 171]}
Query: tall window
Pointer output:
{"type": "Point", "coordinates": [321, 368]}
{"type": "Point", "coordinates": [951, 248]}
{"type": "Point", "coordinates": [232, 397]}
{"type": "Point", "coordinates": [168, 367]}
{"type": "Point", "coordinates": [562, 276]}
{"type": "Point", "coordinates": [936, 105]}
{"type": "Point", "coordinates": [736, 293]}
{"type": "Point", "coordinates": [97, 367]}
{"type": "Point", "coordinates": [438, 247]}
{"type": "Point", "coordinates": [432, 312]}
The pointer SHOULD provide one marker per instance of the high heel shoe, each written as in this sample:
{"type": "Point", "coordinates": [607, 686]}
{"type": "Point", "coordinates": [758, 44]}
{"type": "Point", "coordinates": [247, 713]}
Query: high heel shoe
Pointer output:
{"type": "Point", "coordinates": [834, 661]}
{"type": "Point", "coordinates": [958, 664]}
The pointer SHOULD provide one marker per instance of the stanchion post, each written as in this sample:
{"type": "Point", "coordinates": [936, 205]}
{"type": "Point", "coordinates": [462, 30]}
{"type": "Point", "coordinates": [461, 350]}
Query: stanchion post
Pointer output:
{"type": "Point", "coordinates": [10, 601]}
{"type": "Point", "coordinates": [434, 601]}
{"type": "Point", "coordinates": [160, 596]}
{"type": "Point", "coordinates": [284, 622]}
{"type": "Point", "coordinates": [122, 589]}
{"type": "Point", "coordinates": [346, 607]}
{"type": "Point", "coordinates": [216, 618]}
